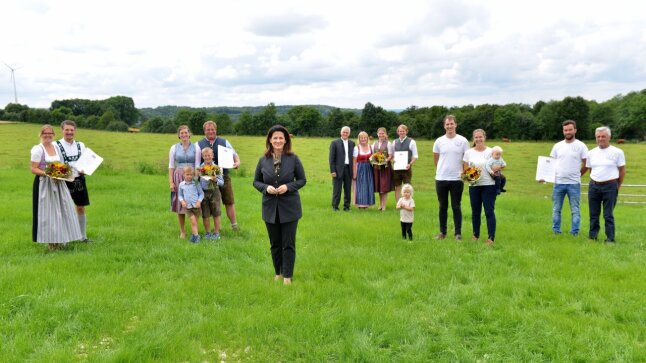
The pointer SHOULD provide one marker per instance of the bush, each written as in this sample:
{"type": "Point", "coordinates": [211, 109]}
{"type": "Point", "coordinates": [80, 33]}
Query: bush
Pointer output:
{"type": "Point", "coordinates": [117, 126]}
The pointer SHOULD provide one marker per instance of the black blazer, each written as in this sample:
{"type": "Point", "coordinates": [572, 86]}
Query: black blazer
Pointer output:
{"type": "Point", "coordinates": [337, 157]}
{"type": "Point", "coordinates": [292, 174]}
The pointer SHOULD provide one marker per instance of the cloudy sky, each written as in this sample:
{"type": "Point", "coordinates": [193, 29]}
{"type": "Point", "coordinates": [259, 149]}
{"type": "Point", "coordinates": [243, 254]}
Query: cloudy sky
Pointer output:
{"type": "Point", "coordinates": [341, 53]}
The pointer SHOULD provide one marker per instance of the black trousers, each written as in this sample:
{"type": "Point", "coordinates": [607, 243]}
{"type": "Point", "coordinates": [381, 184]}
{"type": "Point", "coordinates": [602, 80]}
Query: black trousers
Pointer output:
{"type": "Point", "coordinates": [444, 188]}
{"type": "Point", "coordinates": [346, 183]}
{"type": "Point", "coordinates": [407, 228]}
{"type": "Point", "coordinates": [282, 240]}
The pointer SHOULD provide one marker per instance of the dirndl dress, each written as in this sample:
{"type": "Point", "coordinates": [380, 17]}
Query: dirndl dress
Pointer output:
{"type": "Point", "coordinates": [383, 173]}
{"type": "Point", "coordinates": [364, 193]}
{"type": "Point", "coordinates": [183, 158]}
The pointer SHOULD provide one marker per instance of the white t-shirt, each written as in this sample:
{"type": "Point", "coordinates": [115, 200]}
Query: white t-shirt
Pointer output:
{"type": "Point", "coordinates": [605, 163]}
{"type": "Point", "coordinates": [72, 150]}
{"type": "Point", "coordinates": [406, 216]}
{"type": "Point", "coordinates": [479, 159]}
{"type": "Point", "coordinates": [449, 166]}
{"type": "Point", "coordinates": [568, 161]}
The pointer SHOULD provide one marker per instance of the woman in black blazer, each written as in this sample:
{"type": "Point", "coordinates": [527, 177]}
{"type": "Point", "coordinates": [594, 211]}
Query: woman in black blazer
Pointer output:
{"type": "Point", "coordinates": [279, 176]}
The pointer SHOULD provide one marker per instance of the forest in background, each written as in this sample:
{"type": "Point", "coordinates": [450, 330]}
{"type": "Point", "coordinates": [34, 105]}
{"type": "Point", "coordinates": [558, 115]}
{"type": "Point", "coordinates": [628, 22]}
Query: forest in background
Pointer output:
{"type": "Point", "coordinates": [624, 114]}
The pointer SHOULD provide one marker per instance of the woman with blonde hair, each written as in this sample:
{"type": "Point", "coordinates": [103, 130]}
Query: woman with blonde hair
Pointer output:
{"type": "Point", "coordinates": [364, 184]}
{"type": "Point", "coordinates": [181, 155]}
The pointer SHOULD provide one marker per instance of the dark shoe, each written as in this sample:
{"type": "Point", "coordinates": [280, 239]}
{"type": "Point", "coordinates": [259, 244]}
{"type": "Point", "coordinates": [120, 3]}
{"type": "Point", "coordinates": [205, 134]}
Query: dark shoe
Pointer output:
{"type": "Point", "coordinates": [612, 241]}
{"type": "Point", "coordinates": [440, 236]}
{"type": "Point", "coordinates": [335, 209]}
{"type": "Point", "coordinates": [86, 240]}
{"type": "Point", "coordinates": [593, 238]}
{"type": "Point", "coordinates": [345, 209]}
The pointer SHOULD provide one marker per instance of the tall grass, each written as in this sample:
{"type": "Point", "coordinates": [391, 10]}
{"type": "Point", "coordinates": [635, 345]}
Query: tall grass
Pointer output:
{"type": "Point", "coordinates": [360, 293]}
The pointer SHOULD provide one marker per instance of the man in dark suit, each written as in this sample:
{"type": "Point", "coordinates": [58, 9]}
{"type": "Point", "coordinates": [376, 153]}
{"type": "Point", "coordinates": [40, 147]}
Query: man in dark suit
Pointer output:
{"type": "Point", "coordinates": [341, 169]}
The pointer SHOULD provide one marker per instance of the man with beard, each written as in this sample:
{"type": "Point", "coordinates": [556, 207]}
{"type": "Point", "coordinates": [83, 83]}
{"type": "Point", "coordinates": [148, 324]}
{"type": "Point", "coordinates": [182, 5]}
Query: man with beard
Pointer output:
{"type": "Point", "coordinates": [570, 155]}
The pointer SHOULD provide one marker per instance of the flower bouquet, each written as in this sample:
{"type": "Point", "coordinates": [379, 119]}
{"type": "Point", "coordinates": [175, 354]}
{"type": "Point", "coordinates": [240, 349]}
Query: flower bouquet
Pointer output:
{"type": "Point", "coordinates": [210, 173]}
{"type": "Point", "coordinates": [471, 174]}
{"type": "Point", "coordinates": [378, 158]}
{"type": "Point", "coordinates": [60, 171]}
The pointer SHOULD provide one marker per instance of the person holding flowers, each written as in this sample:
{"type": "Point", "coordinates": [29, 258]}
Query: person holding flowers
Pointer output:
{"type": "Point", "coordinates": [181, 155]}
{"type": "Point", "coordinates": [482, 189]}
{"type": "Point", "coordinates": [364, 184]}
{"type": "Point", "coordinates": [54, 214]}
{"type": "Point", "coordinates": [211, 180]}
{"type": "Point", "coordinates": [383, 171]}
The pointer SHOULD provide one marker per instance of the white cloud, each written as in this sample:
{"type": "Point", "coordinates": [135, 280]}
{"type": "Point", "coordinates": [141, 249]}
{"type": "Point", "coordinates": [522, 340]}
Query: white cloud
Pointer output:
{"type": "Point", "coordinates": [204, 53]}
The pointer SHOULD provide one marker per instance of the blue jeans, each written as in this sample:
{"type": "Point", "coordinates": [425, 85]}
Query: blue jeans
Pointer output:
{"type": "Point", "coordinates": [605, 195]}
{"type": "Point", "coordinates": [573, 192]}
{"type": "Point", "coordinates": [483, 196]}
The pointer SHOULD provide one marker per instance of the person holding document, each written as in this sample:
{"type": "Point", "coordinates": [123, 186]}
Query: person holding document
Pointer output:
{"type": "Point", "coordinates": [403, 173]}
{"type": "Point", "coordinates": [570, 155]}
{"type": "Point", "coordinates": [71, 150]}
{"type": "Point", "coordinates": [214, 142]}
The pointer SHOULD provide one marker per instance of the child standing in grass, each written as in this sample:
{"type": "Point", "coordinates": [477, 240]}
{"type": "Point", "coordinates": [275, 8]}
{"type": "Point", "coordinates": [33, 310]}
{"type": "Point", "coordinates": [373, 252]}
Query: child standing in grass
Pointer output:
{"type": "Point", "coordinates": [212, 198]}
{"type": "Point", "coordinates": [406, 206]}
{"type": "Point", "coordinates": [497, 160]}
{"type": "Point", "coordinates": [190, 195]}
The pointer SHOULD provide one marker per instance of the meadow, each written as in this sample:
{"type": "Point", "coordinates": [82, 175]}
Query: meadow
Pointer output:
{"type": "Point", "coordinates": [360, 293]}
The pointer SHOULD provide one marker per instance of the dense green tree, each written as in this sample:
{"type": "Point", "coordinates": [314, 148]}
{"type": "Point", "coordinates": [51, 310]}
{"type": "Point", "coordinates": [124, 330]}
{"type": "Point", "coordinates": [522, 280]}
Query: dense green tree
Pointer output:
{"type": "Point", "coordinates": [577, 109]}
{"type": "Point", "coordinates": [245, 125]}
{"type": "Point", "coordinates": [196, 122]}
{"type": "Point", "coordinates": [154, 124]}
{"type": "Point", "coordinates": [515, 121]}
{"type": "Point", "coordinates": [124, 107]}
{"type": "Point", "coordinates": [631, 122]}
{"type": "Point", "coordinates": [105, 119]}
{"type": "Point", "coordinates": [61, 114]}
{"type": "Point", "coordinates": [304, 120]}
{"type": "Point", "coordinates": [183, 117]}
{"type": "Point", "coordinates": [224, 122]}
{"type": "Point", "coordinates": [117, 125]}
{"type": "Point", "coordinates": [263, 121]}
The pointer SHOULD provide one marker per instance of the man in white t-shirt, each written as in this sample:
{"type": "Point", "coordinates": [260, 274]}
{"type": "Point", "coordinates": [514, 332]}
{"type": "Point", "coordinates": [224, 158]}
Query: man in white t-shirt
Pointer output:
{"type": "Point", "coordinates": [448, 151]}
{"type": "Point", "coordinates": [570, 155]}
{"type": "Point", "coordinates": [607, 166]}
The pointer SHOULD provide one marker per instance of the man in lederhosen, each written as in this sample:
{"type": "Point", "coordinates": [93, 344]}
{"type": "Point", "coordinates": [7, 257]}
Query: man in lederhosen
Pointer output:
{"type": "Point", "coordinates": [71, 150]}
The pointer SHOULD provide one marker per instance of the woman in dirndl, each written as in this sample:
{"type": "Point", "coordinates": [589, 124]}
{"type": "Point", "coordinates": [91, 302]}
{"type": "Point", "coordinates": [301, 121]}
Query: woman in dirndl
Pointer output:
{"type": "Point", "coordinates": [364, 184]}
{"type": "Point", "coordinates": [54, 213]}
{"type": "Point", "coordinates": [181, 155]}
{"type": "Point", "coordinates": [383, 173]}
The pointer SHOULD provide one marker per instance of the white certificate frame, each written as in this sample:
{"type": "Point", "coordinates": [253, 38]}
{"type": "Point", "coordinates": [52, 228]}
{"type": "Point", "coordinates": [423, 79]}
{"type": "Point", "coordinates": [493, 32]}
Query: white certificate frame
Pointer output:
{"type": "Point", "coordinates": [225, 157]}
{"type": "Point", "coordinates": [401, 160]}
{"type": "Point", "coordinates": [546, 169]}
{"type": "Point", "coordinates": [88, 162]}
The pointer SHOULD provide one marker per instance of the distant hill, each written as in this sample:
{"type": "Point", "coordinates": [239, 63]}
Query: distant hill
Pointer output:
{"type": "Point", "coordinates": [233, 112]}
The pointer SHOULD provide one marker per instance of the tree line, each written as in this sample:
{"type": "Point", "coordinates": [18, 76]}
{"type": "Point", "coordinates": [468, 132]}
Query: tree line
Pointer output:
{"type": "Point", "coordinates": [624, 114]}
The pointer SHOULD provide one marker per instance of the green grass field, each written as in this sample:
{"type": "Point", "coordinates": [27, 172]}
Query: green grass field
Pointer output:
{"type": "Point", "coordinates": [360, 293]}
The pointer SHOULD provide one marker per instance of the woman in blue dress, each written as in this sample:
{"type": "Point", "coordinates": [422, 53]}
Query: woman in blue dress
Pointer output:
{"type": "Point", "coordinates": [364, 183]}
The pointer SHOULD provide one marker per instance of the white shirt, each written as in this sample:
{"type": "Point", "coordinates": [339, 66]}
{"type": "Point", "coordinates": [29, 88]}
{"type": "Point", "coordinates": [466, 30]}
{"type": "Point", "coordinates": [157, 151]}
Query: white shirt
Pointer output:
{"type": "Point", "coordinates": [479, 159]}
{"type": "Point", "coordinates": [37, 154]}
{"type": "Point", "coordinates": [449, 166]}
{"type": "Point", "coordinates": [345, 147]}
{"type": "Point", "coordinates": [604, 163]}
{"type": "Point", "coordinates": [569, 156]}
{"type": "Point", "coordinates": [406, 216]}
{"type": "Point", "coordinates": [71, 150]}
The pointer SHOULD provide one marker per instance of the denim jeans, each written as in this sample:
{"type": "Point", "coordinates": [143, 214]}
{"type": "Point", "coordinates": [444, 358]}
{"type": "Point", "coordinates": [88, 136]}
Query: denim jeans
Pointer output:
{"type": "Point", "coordinates": [573, 192]}
{"type": "Point", "coordinates": [605, 195]}
{"type": "Point", "coordinates": [483, 196]}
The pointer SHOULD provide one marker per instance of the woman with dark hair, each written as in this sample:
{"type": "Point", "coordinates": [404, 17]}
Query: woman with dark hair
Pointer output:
{"type": "Point", "coordinates": [279, 175]}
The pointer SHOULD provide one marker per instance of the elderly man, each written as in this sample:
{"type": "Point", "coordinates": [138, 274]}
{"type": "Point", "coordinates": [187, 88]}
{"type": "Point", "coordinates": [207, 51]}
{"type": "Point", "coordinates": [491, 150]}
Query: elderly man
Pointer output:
{"type": "Point", "coordinates": [341, 169]}
{"type": "Point", "coordinates": [607, 165]}
{"type": "Point", "coordinates": [571, 155]}
{"type": "Point", "coordinates": [213, 141]}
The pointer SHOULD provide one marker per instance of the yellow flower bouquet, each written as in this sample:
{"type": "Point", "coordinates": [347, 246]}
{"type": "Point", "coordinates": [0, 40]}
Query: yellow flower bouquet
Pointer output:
{"type": "Point", "coordinates": [471, 174]}
{"type": "Point", "coordinates": [210, 173]}
{"type": "Point", "coordinates": [58, 170]}
{"type": "Point", "coordinates": [378, 158]}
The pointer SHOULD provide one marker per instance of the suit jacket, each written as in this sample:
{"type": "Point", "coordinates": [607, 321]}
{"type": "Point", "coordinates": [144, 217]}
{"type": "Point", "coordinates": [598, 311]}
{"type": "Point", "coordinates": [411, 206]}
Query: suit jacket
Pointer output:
{"type": "Point", "coordinates": [292, 174]}
{"type": "Point", "coordinates": [337, 157]}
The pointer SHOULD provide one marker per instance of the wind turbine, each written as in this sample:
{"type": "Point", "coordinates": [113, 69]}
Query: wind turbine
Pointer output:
{"type": "Point", "coordinates": [13, 80]}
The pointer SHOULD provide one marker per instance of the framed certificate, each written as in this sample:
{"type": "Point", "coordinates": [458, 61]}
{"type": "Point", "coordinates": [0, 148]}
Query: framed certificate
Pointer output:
{"type": "Point", "coordinates": [546, 169]}
{"type": "Point", "coordinates": [225, 157]}
{"type": "Point", "coordinates": [401, 160]}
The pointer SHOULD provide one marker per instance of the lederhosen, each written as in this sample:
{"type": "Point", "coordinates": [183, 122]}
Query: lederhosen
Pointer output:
{"type": "Point", "coordinates": [78, 188]}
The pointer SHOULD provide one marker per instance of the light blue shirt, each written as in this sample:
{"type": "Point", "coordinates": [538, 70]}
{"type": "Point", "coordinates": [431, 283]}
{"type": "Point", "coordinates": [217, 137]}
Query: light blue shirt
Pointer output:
{"type": "Point", "coordinates": [191, 193]}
